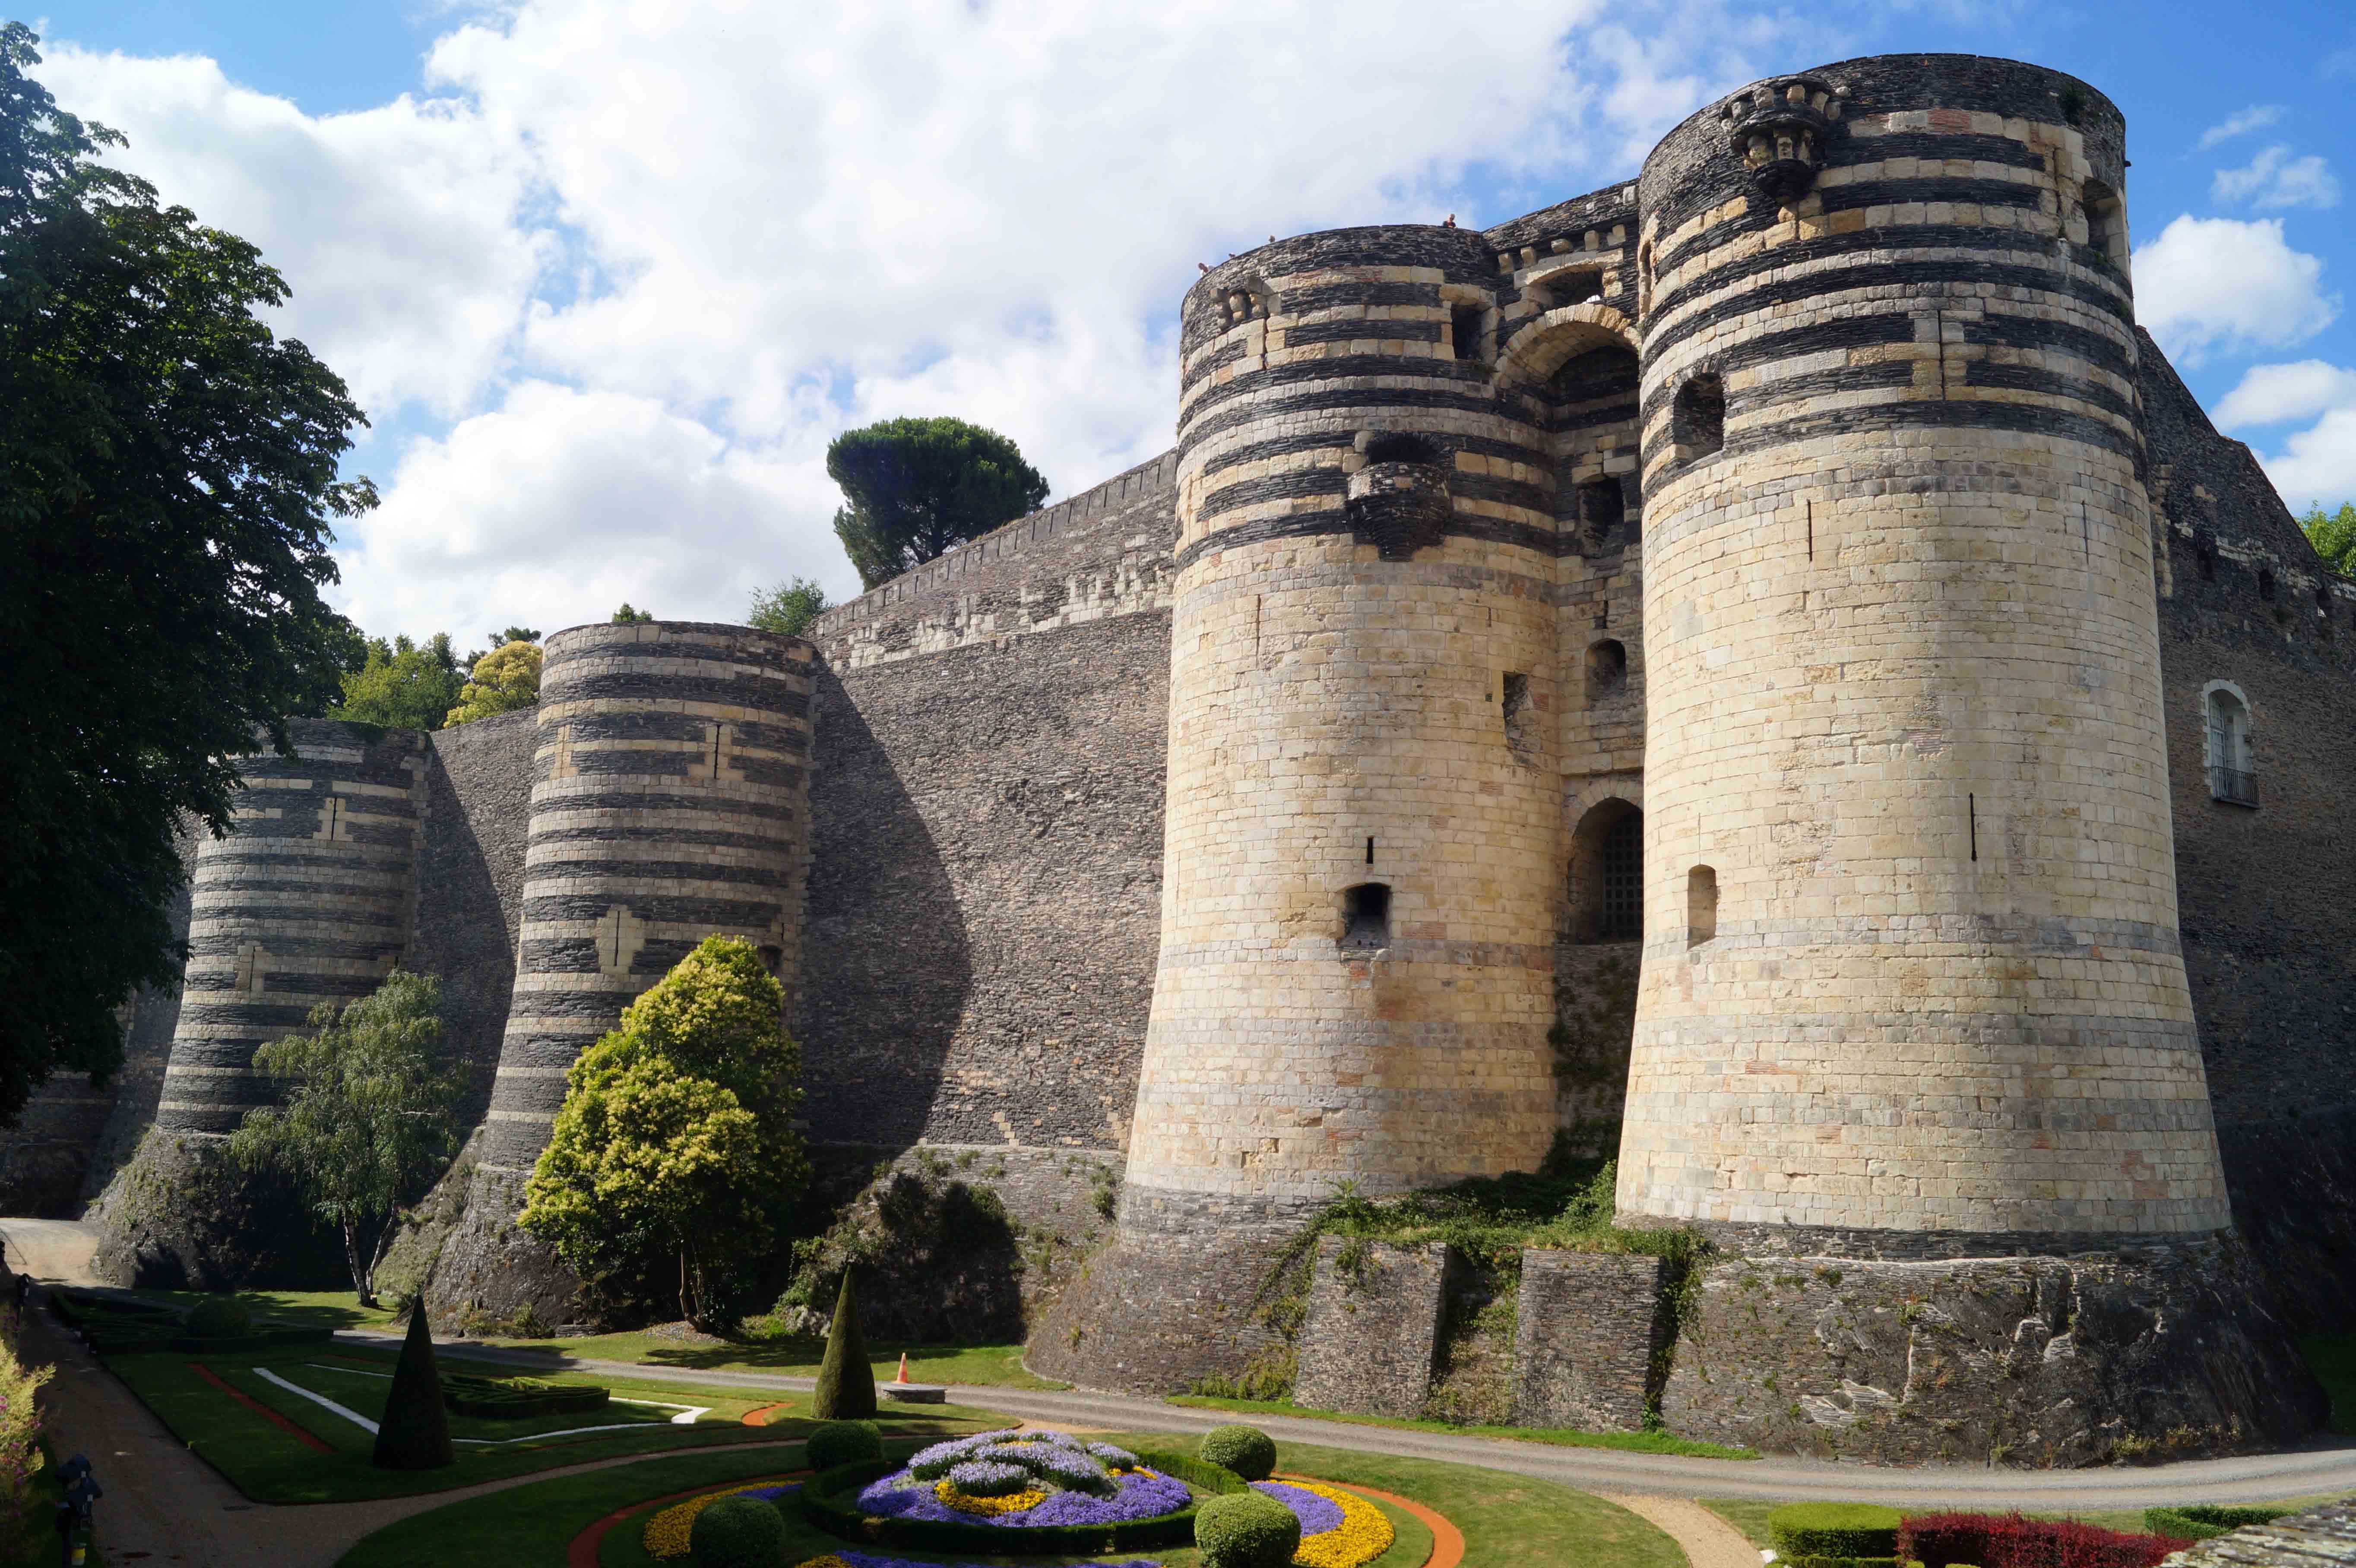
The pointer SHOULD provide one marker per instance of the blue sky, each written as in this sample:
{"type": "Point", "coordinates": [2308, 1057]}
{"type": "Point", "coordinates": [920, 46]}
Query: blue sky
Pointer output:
{"type": "Point", "coordinates": [608, 274]}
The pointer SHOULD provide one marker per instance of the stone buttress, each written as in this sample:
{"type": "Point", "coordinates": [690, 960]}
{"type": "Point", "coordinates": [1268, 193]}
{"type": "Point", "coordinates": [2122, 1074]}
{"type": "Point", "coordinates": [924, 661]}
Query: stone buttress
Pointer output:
{"type": "Point", "coordinates": [1912, 986]}
{"type": "Point", "coordinates": [669, 803]}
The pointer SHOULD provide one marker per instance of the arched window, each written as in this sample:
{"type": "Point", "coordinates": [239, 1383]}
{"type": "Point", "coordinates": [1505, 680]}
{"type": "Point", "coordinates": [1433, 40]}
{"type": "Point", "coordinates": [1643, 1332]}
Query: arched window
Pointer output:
{"type": "Point", "coordinates": [1607, 670]}
{"type": "Point", "coordinates": [1465, 331]}
{"type": "Point", "coordinates": [1607, 874]}
{"type": "Point", "coordinates": [1698, 422]}
{"type": "Point", "coordinates": [1398, 446]}
{"type": "Point", "coordinates": [2106, 222]}
{"type": "Point", "coordinates": [2231, 775]}
{"type": "Point", "coordinates": [1701, 905]}
{"type": "Point", "coordinates": [2266, 584]}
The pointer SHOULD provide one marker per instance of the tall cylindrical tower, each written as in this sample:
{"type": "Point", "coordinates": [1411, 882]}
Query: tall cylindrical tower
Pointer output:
{"type": "Point", "coordinates": [308, 900]}
{"type": "Point", "coordinates": [669, 803]}
{"type": "Point", "coordinates": [1359, 867]}
{"type": "Point", "coordinates": [1912, 981]}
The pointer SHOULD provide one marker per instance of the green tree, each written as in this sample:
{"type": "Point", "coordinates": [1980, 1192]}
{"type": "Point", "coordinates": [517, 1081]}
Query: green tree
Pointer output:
{"type": "Point", "coordinates": [917, 486]}
{"type": "Point", "coordinates": [846, 1383]}
{"type": "Point", "coordinates": [676, 1138]}
{"type": "Point", "coordinates": [788, 608]}
{"type": "Point", "coordinates": [505, 679]}
{"type": "Point", "coordinates": [370, 1116]}
{"type": "Point", "coordinates": [2333, 533]}
{"type": "Point", "coordinates": [403, 685]}
{"type": "Point", "coordinates": [415, 1434]}
{"type": "Point", "coordinates": [626, 615]}
{"type": "Point", "coordinates": [168, 475]}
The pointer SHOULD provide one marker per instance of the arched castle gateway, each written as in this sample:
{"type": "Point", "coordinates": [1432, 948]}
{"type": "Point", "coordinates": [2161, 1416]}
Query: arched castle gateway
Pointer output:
{"type": "Point", "coordinates": [1726, 670]}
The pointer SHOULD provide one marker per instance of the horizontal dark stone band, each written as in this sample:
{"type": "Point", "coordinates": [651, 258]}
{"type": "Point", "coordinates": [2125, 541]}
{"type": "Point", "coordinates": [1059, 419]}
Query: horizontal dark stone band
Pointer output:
{"type": "Point", "coordinates": [722, 646]}
{"type": "Point", "coordinates": [651, 874]}
{"type": "Point", "coordinates": [1533, 453]}
{"type": "Point", "coordinates": [1954, 414]}
{"type": "Point", "coordinates": [1300, 525]}
{"type": "Point", "coordinates": [651, 904]}
{"type": "Point", "coordinates": [1363, 400]}
{"type": "Point", "coordinates": [1436, 374]}
{"type": "Point", "coordinates": [225, 943]}
{"type": "Point", "coordinates": [1400, 951]}
{"type": "Point", "coordinates": [663, 833]}
{"type": "Point", "coordinates": [688, 730]}
{"type": "Point", "coordinates": [1347, 329]}
{"type": "Point", "coordinates": [653, 798]}
{"type": "Point", "coordinates": [782, 695]}
{"type": "Point", "coordinates": [638, 762]}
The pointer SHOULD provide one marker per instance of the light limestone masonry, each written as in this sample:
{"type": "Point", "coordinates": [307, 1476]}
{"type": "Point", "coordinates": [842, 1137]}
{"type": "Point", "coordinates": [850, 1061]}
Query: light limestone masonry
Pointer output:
{"type": "Point", "coordinates": [1904, 701]}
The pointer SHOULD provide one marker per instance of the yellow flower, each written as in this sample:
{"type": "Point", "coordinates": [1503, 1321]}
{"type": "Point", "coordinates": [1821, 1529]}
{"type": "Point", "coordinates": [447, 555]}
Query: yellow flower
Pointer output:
{"type": "Point", "coordinates": [1030, 1498]}
{"type": "Point", "coordinates": [669, 1533]}
{"type": "Point", "coordinates": [1363, 1535]}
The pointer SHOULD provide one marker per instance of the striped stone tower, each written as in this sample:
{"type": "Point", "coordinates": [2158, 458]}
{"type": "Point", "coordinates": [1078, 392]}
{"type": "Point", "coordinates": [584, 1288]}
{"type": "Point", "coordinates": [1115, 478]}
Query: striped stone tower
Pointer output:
{"type": "Point", "coordinates": [1359, 873]}
{"type": "Point", "coordinates": [669, 803]}
{"type": "Point", "coordinates": [308, 900]}
{"type": "Point", "coordinates": [1912, 981]}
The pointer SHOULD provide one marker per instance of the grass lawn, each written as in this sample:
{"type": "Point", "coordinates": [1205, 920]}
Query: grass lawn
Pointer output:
{"type": "Point", "coordinates": [1749, 1516]}
{"type": "Point", "coordinates": [2333, 1359]}
{"type": "Point", "coordinates": [1509, 1521]}
{"type": "Point", "coordinates": [990, 1366]}
{"type": "Point", "coordinates": [1561, 1438]}
{"type": "Point", "coordinates": [269, 1464]}
{"type": "Point", "coordinates": [300, 1308]}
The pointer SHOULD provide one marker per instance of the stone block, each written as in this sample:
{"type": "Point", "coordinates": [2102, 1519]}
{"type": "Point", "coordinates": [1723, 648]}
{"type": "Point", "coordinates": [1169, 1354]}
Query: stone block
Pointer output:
{"type": "Point", "coordinates": [1373, 1324]}
{"type": "Point", "coordinates": [1584, 1339]}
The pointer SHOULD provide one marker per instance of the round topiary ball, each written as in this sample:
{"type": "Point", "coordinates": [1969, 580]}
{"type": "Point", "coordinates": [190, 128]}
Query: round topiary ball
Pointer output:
{"type": "Point", "coordinates": [1247, 1450]}
{"type": "Point", "coordinates": [221, 1318]}
{"type": "Point", "coordinates": [738, 1532]}
{"type": "Point", "coordinates": [1246, 1530]}
{"type": "Point", "coordinates": [845, 1443]}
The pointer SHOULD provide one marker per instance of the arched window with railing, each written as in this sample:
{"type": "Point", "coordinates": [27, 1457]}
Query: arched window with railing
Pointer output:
{"type": "Point", "coordinates": [2232, 777]}
{"type": "Point", "coordinates": [1607, 874]}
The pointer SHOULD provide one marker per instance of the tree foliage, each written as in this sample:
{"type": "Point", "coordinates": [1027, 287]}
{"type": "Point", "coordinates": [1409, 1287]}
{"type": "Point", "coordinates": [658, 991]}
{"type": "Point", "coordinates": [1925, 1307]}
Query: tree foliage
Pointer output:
{"type": "Point", "coordinates": [916, 486]}
{"type": "Point", "coordinates": [676, 1137]}
{"type": "Point", "coordinates": [370, 1116]}
{"type": "Point", "coordinates": [415, 1432]}
{"type": "Point", "coordinates": [505, 679]}
{"type": "Point", "coordinates": [2333, 533]}
{"type": "Point", "coordinates": [168, 475]}
{"type": "Point", "coordinates": [403, 685]}
{"type": "Point", "coordinates": [626, 615]}
{"type": "Point", "coordinates": [788, 608]}
{"type": "Point", "coordinates": [846, 1383]}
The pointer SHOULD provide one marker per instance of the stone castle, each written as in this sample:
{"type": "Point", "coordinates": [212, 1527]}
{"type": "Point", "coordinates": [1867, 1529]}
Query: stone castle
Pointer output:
{"type": "Point", "coordinates": [1762, 670]}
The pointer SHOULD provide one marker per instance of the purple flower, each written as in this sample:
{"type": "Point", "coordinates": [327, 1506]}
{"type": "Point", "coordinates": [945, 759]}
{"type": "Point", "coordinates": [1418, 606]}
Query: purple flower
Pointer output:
{"type": "Point", "coordinates": [987, 1479]}
{"type": "Point", "coordinates": [902, 1495]}
{"type": "Point", "coordinates": [867, 1560]}
{"type": "Point", "coordinates": [1317, 1515]}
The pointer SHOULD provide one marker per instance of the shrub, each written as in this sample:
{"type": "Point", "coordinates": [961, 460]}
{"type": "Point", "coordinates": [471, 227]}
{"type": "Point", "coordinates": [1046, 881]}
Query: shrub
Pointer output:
{"type": "Point", "coordinates": [20, 1421]}
{"type": "Point", "coordinates": [844, 1443]}
{"type": "Point", "coordinates": [738, 1532]}
{"type": "Point", "coordinates": [1833, 1529]}
{"type": "Point", "coordinates": [1246, 1530]}
{"type": "Point", "coordinates": [846, 1383]}
{"type": "Point", "coordinates": [414, 1435]}
{"type": "Point", "coordinates": [221, 1318]}
{"type": "Point", "coordinates": [515, 1398]}
{"type": "Point", "coordinates": [2198, 1521]}
{"type": "Point", "coordinates": [1247, 1450]}
{"type": "Point", "coordinates": [2009, 1540]}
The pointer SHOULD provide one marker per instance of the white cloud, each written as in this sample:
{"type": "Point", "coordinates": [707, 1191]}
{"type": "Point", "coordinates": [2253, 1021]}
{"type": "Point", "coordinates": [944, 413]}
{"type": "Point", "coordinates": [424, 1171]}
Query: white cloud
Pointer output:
{"type": "Point", "coordinates": [2275, 394]}
{"type": "Point", "coordinates": [2274, 178]}
{"type": "Point", "coordinates": [2212, 281]}
{"type": "Point", "coordinates": [2319, 464]}
{"type": "Point", "coordinates": [2241, 122]}
{"type": "Point", "coordinates": [651, 259]}
{"type": "Point", "coordinates": [397, 229]}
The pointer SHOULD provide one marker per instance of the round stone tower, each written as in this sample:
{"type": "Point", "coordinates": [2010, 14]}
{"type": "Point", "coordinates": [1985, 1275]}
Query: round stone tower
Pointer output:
{"type": "Point", "coordinates": [306, 901]}
{"type": "Point", "coordinates": [1359, 878]}
{"type": "Point", "coordinates": [669, 803]}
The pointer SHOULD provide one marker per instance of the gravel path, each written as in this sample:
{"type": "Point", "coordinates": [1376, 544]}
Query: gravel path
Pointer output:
{"type": "Point", "coordinates": [1708, 1541]}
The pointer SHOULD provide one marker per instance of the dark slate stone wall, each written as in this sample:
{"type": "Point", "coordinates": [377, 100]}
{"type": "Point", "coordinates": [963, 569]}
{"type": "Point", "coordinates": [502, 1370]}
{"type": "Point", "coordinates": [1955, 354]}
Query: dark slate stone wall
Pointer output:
{"type": "Point", "coordinates": [1373, 1325]}
{"type": "Point", "coordinates": [470, 884]}
{"type": "Point", "coordinates": [986, 813]}
{"type": "Point", "coordinates": [1585, 1331]}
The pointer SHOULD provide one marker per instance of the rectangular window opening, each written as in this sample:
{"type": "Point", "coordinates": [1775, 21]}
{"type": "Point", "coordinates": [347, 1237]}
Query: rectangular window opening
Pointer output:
{"type": "Point", "coordinates": [1366, 916]}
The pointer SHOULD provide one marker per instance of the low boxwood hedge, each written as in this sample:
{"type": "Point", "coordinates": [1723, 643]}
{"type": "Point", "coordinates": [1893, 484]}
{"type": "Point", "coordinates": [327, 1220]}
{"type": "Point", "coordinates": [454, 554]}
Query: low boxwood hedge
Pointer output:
{"type": "Point", "coordinates": [1833, 1529]}
{"type": "Point", "coordinates": [829, 1502]}
{"type": "Point", "coordinates": [2198, 1521]}
{"type": "Point", "coordinates": [515, 1398]}
{"type": "Point", "coordinates": [116, 1326]}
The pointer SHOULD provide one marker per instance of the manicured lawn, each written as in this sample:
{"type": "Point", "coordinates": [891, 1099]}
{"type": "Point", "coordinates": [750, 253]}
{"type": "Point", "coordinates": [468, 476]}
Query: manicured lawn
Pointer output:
{"type": "Point", "coordinates": [989, 1366]}
{"type": "Point", "coordinates": [1749, 1516]}
{"type": "Point", "coordinates": [269, 1464]}
{"type": "Point", "coordinates": [2333, 1358]}
{"type": "Point", "coordinates": [1509, 1521]}
{"type": "Point", "coordinates": [1561, 1438]}
{"type": "Point", "coordinates": [302, 1308]}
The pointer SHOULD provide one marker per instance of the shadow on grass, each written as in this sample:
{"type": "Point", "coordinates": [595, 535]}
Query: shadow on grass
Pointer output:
{"type": "Point", "coordinates": [2332, 1359]}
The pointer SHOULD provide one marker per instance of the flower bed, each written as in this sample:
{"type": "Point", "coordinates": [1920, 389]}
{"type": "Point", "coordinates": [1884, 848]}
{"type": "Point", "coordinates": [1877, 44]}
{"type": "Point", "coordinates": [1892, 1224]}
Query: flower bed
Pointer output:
{"type": "Point", "coordinates": [1016, 1491]}
{"type": "Point", "coordinates": [1338, 1530]}
{"type": "Point", "coordinates": [2009, 1540]}
{"type": "Point", "coordinates": [668, 1532]}
{"type": "Point", "coordinates": [846, 1558]}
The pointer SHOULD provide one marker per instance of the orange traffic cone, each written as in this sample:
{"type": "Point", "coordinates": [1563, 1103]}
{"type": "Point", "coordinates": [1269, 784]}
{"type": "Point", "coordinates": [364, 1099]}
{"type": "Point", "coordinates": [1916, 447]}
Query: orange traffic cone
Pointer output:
{"type": "Point", "coordinates": [904, 1368]}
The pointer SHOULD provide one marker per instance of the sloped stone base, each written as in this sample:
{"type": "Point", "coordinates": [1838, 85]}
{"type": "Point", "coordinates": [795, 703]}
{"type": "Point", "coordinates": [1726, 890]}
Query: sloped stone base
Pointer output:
{"type": "Point", "coordinates": [2169, 1350]}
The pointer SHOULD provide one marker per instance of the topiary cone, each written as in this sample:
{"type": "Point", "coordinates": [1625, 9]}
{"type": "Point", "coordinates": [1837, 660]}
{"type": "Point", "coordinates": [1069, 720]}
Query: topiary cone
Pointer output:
{"type": "Point", "coordinates": [846, 1383]}
{"type": "Point", "coordinates": [414, 1435]}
